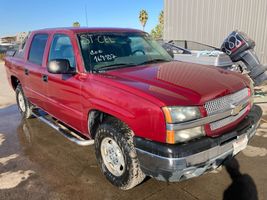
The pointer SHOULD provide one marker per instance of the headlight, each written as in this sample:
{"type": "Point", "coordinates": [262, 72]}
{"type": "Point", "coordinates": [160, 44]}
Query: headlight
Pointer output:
{"type": "Point", "coordinates": [184, 135]}
{"type": "Point", "coordinates": [176, 114]}
{"type": "Point", "coordinates": [173, 137]}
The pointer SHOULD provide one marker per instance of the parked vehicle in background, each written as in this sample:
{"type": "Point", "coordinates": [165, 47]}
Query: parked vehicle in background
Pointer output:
{"type": "Point", "coordinates": [9, 47]}
{"type": "Point", "coordinates": [146, 114]}
{"type": "Point", "coordinates": [235, 54]}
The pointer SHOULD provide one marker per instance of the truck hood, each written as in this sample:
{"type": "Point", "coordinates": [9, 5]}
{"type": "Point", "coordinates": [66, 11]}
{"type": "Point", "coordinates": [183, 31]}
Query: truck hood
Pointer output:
{"type": "Point", "coordinates": [177, 83]}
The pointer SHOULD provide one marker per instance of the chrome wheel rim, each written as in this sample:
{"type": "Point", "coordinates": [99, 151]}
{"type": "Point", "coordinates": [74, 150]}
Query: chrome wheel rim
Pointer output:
{"type": "Point", "coordinates": [21, 102]}
{"type": "Point", "coordinates": [112, 156]}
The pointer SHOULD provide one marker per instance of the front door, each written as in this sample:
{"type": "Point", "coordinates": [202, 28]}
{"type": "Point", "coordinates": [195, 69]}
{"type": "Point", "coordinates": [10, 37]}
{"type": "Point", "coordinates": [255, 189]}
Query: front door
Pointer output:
{"type": "Point", "coordinates": [63, 90]}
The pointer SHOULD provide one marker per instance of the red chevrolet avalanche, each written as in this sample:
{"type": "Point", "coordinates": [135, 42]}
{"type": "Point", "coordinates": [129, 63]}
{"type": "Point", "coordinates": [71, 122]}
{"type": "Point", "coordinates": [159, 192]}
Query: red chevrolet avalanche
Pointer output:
{"type": "Point", "coordinates": [146, 114]}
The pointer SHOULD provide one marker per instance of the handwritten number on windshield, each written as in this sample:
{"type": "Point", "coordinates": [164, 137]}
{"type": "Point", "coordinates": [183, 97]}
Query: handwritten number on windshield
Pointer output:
{"type": "Point", "coordinates": [104, 58]}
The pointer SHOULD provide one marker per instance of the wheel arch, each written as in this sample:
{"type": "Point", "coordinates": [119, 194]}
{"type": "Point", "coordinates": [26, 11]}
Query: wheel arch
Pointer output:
{"type": "Point", "coordinates": [97, 116]}
{"type": "Point", "coordinates": [14, 82]}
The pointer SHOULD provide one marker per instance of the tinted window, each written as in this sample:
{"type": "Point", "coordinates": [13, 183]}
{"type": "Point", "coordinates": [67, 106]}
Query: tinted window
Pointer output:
{"type": "Point", "coordinates": [37, 48]}
{"type": "Point", "coordinates": [61, 48]}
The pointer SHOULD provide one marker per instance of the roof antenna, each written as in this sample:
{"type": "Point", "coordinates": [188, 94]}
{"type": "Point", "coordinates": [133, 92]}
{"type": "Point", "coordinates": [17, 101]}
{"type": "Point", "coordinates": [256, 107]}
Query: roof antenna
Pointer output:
{"type": "Point", "coordinates": [86, 15]}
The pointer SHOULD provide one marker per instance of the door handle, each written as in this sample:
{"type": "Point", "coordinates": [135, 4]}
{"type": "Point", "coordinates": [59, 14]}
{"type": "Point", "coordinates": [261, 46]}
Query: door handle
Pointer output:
{"type": "Point", "coordinates": [45, 78]}
{"type": "Point", "coordinates": [26, 72]}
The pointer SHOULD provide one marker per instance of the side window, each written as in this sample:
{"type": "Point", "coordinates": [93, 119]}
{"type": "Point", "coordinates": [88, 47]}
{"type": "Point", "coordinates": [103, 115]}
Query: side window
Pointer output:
{"type": "Point", "coordinates": [37, 48]}
{"type": "Point", "coordinates": [61, 48]}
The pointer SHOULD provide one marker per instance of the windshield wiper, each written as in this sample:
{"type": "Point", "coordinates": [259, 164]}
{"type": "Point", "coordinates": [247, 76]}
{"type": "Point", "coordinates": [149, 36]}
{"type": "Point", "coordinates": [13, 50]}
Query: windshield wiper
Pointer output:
{"type": "Point", "coordinates": [124, 65]}
{"type": "Point", "coordinates": [154, 61]}
{"type": "Point", "coordinates": [115, 66]}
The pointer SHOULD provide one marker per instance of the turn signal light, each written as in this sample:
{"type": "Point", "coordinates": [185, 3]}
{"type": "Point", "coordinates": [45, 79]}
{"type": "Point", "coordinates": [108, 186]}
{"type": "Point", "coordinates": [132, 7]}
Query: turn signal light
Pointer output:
{"type": "Point", "coordinates": [170, 137]}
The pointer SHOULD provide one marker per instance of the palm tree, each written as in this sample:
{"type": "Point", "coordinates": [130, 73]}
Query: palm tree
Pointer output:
{"type": "Point", "coordinates": [143, 17]}
{"type": "Point", "coordinates": [157, 32]}
{"type": "Point", "coordinates": [76, 24]}
{"type": "Point", "coordinates": [161, 17]}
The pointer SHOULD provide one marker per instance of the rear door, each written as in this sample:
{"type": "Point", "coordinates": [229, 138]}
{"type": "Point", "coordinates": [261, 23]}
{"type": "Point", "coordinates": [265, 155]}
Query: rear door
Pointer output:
{"type": "Point", "coordinates": [64, 90]}
{"type": "Point", "coordinates": [33, 71]}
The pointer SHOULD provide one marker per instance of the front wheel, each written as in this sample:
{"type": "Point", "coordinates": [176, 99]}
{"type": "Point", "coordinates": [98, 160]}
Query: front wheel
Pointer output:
{"type": "Point", "coordinates": [116, 154]}
{"type": "Point", "coordinates": [24, 105]}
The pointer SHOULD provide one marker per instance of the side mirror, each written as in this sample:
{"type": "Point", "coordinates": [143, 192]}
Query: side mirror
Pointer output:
{"type": "Point", "coordinates": [168, 48]}
{"type": "Point", "coordinates": [170, 52]}
{"type": "Point", "coordinates": [60, 66]}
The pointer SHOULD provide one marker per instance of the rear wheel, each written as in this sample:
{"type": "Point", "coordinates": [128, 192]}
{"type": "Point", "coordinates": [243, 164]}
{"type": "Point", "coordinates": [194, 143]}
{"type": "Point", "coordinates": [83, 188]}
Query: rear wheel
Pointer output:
{"type": "Point", "coordinates": [24, 105]}
{"type": "Point", "coordinates": [116, 154]}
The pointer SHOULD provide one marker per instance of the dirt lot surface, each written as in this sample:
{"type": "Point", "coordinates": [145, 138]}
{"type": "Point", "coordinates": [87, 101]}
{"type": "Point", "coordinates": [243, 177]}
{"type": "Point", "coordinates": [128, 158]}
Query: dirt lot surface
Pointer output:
{"type": "Point", "coordinates": [7, 96]}
{"type": "Point", "coordinates": [37, 163]}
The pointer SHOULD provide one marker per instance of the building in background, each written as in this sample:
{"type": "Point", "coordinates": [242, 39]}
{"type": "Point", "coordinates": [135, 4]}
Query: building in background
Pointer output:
{"type": "Point", "coordinates": [9, 40]}
{"type": "Point", "coordinates": [210, 21]}
{"type": "Point", "coordinates": [20, 37]}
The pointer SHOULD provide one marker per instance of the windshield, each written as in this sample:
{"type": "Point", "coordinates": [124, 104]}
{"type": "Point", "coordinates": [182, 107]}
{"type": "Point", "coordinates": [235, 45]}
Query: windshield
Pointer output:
{"type": "Point", "coordinates": [104, 51]}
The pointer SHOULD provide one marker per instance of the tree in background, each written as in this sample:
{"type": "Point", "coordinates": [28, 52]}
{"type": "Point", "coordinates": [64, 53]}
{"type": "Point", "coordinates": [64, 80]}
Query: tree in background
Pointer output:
{"type": "Point", "coordinates": [157, 32]}
{"type": "Point", "coordinates": [161, 17]}
{"type": "Point", "coordinates": [76, 24]}
{"type": "Point", "coordinates": [143, 17]}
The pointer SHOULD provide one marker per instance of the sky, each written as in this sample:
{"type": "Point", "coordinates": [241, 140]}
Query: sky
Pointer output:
{"type": "Point", "coordinates": [19, 16]}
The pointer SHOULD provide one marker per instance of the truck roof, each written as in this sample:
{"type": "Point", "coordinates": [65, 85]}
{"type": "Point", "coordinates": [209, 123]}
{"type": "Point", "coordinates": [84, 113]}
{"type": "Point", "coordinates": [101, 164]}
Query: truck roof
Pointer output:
{"type": "Point", "coordinates": [87, 29]}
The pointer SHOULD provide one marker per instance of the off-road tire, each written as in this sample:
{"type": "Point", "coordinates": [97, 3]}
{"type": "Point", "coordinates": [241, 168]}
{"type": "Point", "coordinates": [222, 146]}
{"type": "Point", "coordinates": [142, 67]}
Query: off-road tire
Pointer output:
{"type": "Point", "coordinates": [122, 135]}
{"type": "Point", "coordinates": [27, 112]}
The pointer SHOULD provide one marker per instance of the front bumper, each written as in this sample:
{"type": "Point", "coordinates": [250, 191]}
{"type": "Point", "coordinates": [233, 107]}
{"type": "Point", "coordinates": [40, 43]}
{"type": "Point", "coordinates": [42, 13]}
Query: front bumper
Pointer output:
{"type": "Point", "coordinates": [182, 161]}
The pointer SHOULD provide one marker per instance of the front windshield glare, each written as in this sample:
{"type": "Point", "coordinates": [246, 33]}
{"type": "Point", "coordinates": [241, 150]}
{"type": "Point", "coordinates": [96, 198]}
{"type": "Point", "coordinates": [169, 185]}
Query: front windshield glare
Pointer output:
{"type": "Point", "coordinates": [111, 50]}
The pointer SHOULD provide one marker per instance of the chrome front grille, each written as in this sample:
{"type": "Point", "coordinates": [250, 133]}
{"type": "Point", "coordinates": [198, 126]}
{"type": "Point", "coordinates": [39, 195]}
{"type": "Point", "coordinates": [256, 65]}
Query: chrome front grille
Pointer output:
{"type": "Point", "coordinates": [226, 103]}
{"type": "Point", "coordinates": [227, 120]}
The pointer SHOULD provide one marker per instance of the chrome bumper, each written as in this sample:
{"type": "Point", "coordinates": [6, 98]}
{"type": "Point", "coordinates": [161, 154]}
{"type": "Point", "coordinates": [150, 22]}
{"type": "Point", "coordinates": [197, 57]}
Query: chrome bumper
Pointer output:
{"type": "Point", "coordinates": [173, 167]}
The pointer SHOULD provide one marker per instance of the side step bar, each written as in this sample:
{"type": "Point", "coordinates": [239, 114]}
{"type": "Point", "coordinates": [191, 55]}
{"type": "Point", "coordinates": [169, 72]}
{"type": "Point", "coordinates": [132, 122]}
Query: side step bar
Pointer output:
{"type": "Point", "coordinates": [63, 130]}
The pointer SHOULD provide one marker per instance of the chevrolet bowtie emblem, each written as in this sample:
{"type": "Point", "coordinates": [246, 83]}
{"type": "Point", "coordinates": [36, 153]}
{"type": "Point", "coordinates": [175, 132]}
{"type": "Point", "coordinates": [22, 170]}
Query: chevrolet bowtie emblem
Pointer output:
{"type": "Point", "coordinates": [236, 109]}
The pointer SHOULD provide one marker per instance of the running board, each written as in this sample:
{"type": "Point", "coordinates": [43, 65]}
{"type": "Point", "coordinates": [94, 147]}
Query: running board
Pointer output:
{"type": "Point", "coordinates": [63, 130]}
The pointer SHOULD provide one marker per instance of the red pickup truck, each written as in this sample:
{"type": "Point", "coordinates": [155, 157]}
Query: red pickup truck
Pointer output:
{"type": "Point", "coordinates": [145, 113]}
